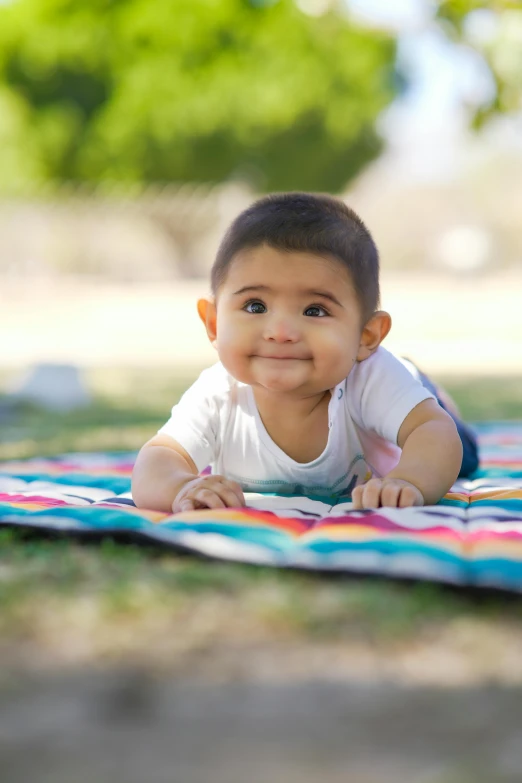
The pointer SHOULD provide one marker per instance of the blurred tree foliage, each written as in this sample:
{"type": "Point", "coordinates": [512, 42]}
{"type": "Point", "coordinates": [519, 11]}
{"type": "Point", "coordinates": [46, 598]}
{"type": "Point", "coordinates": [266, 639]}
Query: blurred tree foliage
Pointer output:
{"type": "Point", "coordinates": [501, 47]}
{"type": "Point", "coordinates": [136, 91]}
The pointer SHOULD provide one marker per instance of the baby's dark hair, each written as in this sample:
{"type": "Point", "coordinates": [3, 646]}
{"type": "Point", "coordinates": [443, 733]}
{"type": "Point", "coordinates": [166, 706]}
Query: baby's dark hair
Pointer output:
{"type": "Point", "coordinates": [310, 223]}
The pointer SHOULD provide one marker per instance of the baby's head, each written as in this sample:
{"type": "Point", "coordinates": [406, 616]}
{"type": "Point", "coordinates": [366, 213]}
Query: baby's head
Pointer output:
{"type": "Point", "coordinates": [306, 223]}
{"type": "Point", "coordinates": [295, 287]}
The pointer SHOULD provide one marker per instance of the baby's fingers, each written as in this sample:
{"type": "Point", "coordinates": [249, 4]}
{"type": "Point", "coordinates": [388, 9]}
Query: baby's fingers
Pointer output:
{"type": "Point", "coordinates": [367, 495]}
{"type": "Point", "coordinates": [201, 498]}
{"type": "Point", "coordinates": [213, 494]}
{"type": "Point", "coordinates": [357, 497]}
{"type": "Point", "coordinates": [217, 492]}
{"type": "Point", "coordinates": [232, 494]}
{"type": "Point", "coordinates": [390, 494]}
{"type": "Point", "coordinates": [230, 498]}
{"type": "Point", "coordinates": [410, 496]}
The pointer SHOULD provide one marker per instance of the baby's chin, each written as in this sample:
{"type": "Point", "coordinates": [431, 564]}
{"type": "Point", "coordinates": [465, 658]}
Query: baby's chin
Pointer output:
{"type": "Point", "coordinates": [282, 381]}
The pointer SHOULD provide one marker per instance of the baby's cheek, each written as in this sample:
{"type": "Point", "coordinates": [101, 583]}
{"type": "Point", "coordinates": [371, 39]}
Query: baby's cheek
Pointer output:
{"type": "Point", "coordinates": [227, 343]}
{"type": "Point", "coordinates": [337, 356]}
{"type": "Point", "coordinates": [234, 361]}
{"type": "Point", "coordinates": [341, 348]}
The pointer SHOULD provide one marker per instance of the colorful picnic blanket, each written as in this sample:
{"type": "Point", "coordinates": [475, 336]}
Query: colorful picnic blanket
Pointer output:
{"type": "Point", "coordinates": [472, 537]}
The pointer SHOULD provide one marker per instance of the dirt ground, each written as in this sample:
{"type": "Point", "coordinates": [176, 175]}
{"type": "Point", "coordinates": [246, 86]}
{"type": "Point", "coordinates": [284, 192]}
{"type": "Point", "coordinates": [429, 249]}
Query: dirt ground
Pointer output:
{"type": "Point", "coordinates": [130, 727]}
{"type": "Point", "coordinates": [447, 324]}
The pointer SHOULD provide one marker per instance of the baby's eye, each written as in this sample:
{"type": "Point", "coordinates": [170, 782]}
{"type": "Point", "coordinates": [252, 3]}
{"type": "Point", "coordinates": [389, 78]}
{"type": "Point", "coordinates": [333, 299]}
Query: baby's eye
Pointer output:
{"type": "Point", "coordinates": [316, 311]}
{"type": "Point", "coordinates": [255, 307]}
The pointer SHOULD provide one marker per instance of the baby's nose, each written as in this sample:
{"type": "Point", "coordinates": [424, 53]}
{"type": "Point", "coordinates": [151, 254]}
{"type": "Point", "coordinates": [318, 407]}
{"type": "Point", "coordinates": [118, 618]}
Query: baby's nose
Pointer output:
{"type": "Point", "coordinates": [282, 329]}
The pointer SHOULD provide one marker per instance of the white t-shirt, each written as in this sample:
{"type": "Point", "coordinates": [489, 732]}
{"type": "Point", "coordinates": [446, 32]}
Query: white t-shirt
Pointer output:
{"type": "Point", "coordinates": [218, 423]}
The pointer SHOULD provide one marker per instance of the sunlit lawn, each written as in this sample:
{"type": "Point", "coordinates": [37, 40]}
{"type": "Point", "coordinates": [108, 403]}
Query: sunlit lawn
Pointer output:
{"type": "Point", "coordinates": [108, 601]}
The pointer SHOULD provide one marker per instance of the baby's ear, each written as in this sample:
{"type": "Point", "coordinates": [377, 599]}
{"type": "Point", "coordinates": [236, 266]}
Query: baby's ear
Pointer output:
{"type": "Point", "coordinates": [207, 313]}
{"type": "Point", "coordinates": [374, 332]}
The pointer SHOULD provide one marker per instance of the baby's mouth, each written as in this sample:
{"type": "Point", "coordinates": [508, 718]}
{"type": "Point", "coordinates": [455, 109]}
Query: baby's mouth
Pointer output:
{"type": "Point", "coordinates": [282, 357]}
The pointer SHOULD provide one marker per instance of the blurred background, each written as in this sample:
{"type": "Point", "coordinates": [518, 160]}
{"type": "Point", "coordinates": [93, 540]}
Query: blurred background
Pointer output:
{"type": "Point", "coordinates": [131, 133]}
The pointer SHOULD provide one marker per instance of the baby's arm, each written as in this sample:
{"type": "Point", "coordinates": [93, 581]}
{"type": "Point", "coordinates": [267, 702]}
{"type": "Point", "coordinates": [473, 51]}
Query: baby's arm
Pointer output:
{"type": "Point", "coordinates": [165, 478]}
{"type": "Point", "coordinates": [429, 464]}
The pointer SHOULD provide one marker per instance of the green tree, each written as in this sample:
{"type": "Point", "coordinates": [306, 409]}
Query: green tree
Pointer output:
{"type": "Point", "coordinates": [172, 90]}
{"type": "Point", "coordinates": [501, 48]}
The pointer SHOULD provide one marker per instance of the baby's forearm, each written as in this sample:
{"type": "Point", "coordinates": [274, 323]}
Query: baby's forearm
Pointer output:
{"type": "Point", "coordinates": [158, 475]}
{"type": "Point", "coordinates": [431, 459]}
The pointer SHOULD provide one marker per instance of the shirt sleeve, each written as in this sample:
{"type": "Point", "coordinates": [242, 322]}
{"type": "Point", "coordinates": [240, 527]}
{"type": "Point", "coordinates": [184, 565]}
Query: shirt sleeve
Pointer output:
{"type": "Point", "coordinates": [194, 421]}
{"type": "Point", "coordinates": [382, 393]}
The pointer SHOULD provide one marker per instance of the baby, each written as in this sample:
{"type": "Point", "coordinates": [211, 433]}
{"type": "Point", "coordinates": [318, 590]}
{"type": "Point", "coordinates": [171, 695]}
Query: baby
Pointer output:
{"type": "Point", "coordinates": [304, 399]}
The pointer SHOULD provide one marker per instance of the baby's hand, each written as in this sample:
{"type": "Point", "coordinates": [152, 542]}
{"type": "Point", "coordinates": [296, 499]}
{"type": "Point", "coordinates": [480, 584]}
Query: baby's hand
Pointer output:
{"type": "Point", "coordinates": [386, 492]}
{"type": "Point", "coordinates": [212, 491]}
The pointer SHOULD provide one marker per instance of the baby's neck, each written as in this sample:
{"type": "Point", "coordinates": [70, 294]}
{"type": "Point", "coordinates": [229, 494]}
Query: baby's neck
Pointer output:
{"type": "Point", "coordinates": [288, 407]}
{"type": "Point", "coordinates": [298, 426]}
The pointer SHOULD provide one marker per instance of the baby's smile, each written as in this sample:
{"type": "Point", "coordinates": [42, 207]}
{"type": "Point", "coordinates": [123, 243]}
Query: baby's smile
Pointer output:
{"type": "Point", "coordinates": [276, 357]}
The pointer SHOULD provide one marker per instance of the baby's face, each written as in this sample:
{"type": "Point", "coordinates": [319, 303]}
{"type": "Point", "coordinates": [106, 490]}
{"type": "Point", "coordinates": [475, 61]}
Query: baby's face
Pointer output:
{"type": "Point", "coordinates": [287, 322]}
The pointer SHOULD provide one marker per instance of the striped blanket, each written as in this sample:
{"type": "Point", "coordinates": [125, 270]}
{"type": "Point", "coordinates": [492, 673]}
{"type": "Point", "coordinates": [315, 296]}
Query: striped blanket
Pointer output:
{"type": "Point", "coordinates": [472, 537]}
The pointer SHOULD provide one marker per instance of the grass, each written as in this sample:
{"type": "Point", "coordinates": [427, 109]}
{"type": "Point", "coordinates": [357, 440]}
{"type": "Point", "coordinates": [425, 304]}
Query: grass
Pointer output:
{"type": "Point", "coordinates": [127, 408]}
{"type": "Point", "coordinates": [65, 601]}
{"type": "Point", "coordinates": [483, 398]}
